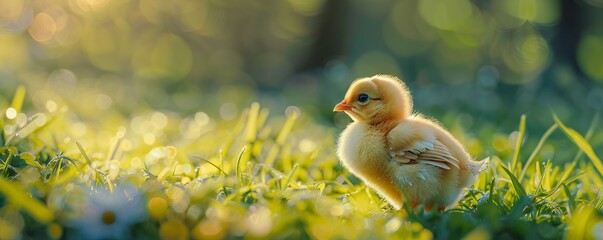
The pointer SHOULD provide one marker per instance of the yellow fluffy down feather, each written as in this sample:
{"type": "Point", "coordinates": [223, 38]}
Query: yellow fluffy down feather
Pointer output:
{"type": "Point", "coordinates": [400, 154]}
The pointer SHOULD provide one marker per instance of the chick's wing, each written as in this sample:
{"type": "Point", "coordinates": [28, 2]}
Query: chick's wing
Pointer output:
{"type": "Point", "coordinates": [432, 153]}
{"type": "Point", "coordinates": [416, 144]}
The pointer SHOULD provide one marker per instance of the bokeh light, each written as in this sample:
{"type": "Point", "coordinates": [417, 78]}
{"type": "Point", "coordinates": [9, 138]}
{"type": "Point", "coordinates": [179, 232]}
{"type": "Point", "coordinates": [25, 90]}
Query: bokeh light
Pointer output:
{"type": "Point", "coordinates": [157, 94]}
{"type": "Point", "coordinates": [446, 15]}
{"type": "Point", "coordinates": [590, 51]}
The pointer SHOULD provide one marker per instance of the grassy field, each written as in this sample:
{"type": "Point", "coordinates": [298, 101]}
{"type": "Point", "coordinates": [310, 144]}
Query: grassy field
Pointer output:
{"type": "Point", "coordinates": [256, 174]}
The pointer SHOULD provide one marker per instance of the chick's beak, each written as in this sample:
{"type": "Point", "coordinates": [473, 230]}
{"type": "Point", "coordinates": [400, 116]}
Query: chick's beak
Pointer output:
{"type": "Point", "coordinates": [342, 106]}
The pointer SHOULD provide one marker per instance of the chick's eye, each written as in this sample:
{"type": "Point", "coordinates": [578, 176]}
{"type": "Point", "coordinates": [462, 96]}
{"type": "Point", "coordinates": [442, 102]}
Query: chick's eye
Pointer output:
{"type": "Point", "coordinates": [363, 98]}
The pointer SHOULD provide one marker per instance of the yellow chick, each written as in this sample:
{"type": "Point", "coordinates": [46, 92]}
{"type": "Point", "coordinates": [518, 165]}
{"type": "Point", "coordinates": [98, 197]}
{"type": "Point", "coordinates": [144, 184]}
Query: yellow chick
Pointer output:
{"type": "Point", "coordinates": [400, 154]}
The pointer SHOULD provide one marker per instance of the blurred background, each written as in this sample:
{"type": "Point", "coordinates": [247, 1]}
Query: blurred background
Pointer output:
{"type": "Point", "coordinates": [484, 62]}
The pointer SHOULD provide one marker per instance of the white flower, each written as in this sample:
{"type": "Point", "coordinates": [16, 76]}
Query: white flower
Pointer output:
{"type": "Point", "coordinates": [108, 215]}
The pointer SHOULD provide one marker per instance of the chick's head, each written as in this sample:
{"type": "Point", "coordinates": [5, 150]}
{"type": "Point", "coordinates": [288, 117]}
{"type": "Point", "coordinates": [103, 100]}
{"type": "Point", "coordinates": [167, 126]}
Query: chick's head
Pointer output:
{"type": "Point", "coordinates": [376, 99]}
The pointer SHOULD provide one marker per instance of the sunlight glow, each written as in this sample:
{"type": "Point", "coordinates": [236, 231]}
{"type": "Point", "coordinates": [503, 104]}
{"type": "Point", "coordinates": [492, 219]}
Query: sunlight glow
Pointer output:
{"type": "Point", "coordinates": [40, 120]}
{"type": "Point", "coordinates": [55, 231]}
{"type": "Point", "coordinates": [88, 5]}
{"type": "Point", "coordinates": [136, 163]}
{"type": "Point", "coordinates": [159, 120]}
{"type": "Point", "coordinates": [259, 222]}
{"type": "Point", "coordinates": [21, 119]}
{"type": "Point", "coordinates": [393, 225]}
{"type": "Point", "coordinates": [306, 145]}
{"type": "Point", "coordinates": [337, 210]}
{"type": "Point", "coordinates": [531, 54]}
{"type": "Point", "coordinates": [201, 118]}
{"type": "Point", "coordinates": [157, 207]}
{"type": "Point", "coordinates": [179, 199]}
{"type": "Point", "coordinates": [149, 138]}
{"type": "Point", "coordinates": [446, 15]}
{"type": "Point", "coordinates": [79, 129]}
{"type": "Point", "coordinates": [103, 101]}
{"type": "Point", "coordinates": [11, 113]}
{"type": "Point", "coordinates": [228, 111]}
{"type": "Point", "coordinates": [208, 229]}
{"type": "Point", "coordinates": [43, 27]}
{"type": "Point", "coordinates": [307, 7]}
{"type": "Point", "coordinates": [51, 106]}
{"type": "Point", "coordinates": [590, 50]}
{"type": "Point", "coordinates": [149, 110]}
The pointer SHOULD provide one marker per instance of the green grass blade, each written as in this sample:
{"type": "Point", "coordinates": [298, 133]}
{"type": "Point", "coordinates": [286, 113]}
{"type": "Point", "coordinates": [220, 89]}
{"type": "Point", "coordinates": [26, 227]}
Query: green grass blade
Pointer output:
{"type": "Point", "coordinates": [210, 163]}
{"type": "Point", "coordinates": [567, 170]}
{"type": "Point", "coordinates": [522, 131]}
{"type": "Point", "coordinates": [2, 112]}
{"type": "Point", "coordinates": [238, 165]}
{"type": "Point", "coordinates": [236, 131]}
{"type": "Point", "coordinates": [581, 143]}
{"type": "Point", "coordinates": [599, 204]}
{"type": "Point", "coordinates": [543, 139]}
{"type": "Point", "coordinates": [262, 117]}
{"type": "Point", "coordinates": [7, 163]}
{"type": "Point", "coordinates": [290, 176]}
{"type": "Point", "coordinates": [16, 104]}
{"type": "Point", "coordinates": [17, 136]}
{"type": "Point", "coordinates": [115, 149]}
{"type": "Point", "coordinates": [2, 136]}
{"type": "Point", "coordinates": [280, 140]}
{"type": "Point", "coordinates": [252, 122]}
{"type": "Point", "coordinates": [516, 185]}
{"type": "Point", "coordinates": [30, 159]}
{"type": "Point", "coordinates": [21, 199]}
{"type": "Point", "coordinates": [282, 135]}
{"type": "Point", "coordinates": [84, 155]}
{"type": "Point", "coordinates": [571, 199]}
{"type": "Point", "coordinates": [589, 134]}
{"type": "Point", "coordinates": [18, 99]}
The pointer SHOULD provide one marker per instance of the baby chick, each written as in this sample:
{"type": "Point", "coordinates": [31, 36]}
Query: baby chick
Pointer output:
{"type": "Point", "coordinates": [400, 154]}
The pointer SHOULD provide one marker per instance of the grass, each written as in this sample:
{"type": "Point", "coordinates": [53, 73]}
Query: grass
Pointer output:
{"type": "Point", "coordinates": [267, 177]}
